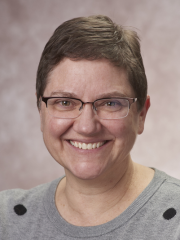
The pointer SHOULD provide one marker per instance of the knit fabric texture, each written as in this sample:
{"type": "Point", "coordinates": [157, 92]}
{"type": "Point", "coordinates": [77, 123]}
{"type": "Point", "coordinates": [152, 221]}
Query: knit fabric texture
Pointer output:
{"type": "Point", "coordinates": [32, 215]}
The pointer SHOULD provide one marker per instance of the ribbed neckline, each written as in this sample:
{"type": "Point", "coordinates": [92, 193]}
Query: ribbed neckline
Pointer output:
{"type": "Point", "coordinates": [95, 231]}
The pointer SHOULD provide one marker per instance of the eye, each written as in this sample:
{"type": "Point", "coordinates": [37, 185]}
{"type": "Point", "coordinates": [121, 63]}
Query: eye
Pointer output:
{"type": "Point", "coordinates": [62, 102]}
{"type": "Point", "coordinates": [111, 104]}
{"type": "Point", "coordinates": [65, 103]}
{"type": "Point", "coordinates": [107, 103]}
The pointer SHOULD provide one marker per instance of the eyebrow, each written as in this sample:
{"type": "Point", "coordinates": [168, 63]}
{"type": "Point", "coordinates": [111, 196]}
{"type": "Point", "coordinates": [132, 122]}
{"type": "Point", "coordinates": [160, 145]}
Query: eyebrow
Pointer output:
{"type": "Point", "coordinates": [112, 94]}
{"type": "Point", "coordinates": [73, 95]}
{"type": "Point", "coordinates": [63, 94]}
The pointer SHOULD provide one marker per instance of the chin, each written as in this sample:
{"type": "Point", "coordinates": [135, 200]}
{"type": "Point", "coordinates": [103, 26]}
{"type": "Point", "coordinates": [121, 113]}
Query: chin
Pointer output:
{"type": "Point", "coordinates": [85, 172]}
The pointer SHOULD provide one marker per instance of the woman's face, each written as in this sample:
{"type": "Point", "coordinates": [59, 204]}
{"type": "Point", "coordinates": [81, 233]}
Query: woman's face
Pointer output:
{"type": "Point", "coordinates": [88, 81]}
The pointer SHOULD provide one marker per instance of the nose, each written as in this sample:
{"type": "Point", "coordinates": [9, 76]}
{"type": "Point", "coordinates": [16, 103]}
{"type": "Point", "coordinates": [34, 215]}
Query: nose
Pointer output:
{"type": "Point", "coordinates": [87, 123]}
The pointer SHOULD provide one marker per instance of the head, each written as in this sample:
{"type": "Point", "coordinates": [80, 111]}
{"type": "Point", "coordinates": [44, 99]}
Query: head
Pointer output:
{"type": "Point", "coordinates": [89, 59]}
{"type": "Point", "coordinates": [93, 38]}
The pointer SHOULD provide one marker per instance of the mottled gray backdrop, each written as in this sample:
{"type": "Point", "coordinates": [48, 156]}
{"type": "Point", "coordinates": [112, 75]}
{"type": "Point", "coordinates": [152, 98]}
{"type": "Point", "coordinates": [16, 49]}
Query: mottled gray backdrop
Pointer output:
{"type": "Point", "coordinates": [25, 27]}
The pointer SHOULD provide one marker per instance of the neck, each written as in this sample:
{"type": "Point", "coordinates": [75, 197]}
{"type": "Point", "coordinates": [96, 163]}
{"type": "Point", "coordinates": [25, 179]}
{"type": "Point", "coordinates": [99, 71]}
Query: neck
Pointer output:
{"type": "Point", "coordinates": [88, 199]}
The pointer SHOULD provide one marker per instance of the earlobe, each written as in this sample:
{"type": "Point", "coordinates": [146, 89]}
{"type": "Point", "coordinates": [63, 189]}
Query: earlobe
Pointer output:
{"type": "Point", "coordinates": [142, 115]}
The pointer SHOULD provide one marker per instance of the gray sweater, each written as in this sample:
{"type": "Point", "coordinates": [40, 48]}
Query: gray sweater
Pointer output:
{"type": "Point", "coordinates": [32, 214]}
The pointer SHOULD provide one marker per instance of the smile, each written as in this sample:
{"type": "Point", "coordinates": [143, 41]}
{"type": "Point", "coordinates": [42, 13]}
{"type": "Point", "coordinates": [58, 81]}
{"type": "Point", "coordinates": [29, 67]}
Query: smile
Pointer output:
{"type": "Point", "coordinates": [87, 146]}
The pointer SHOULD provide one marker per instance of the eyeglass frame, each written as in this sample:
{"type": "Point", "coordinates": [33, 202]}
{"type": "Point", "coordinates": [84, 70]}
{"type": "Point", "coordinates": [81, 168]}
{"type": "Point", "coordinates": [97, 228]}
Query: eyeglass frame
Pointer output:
{"type": "Point", "coordinates": [45, 100]}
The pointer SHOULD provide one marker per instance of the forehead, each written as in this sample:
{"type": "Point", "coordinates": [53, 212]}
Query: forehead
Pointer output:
{"type": "Point", "coordinates": [88, 78]}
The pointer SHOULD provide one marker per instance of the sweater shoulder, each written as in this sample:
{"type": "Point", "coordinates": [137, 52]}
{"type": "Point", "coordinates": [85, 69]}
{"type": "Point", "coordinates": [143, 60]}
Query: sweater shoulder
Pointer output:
{"type": "Point", "coordinates": [19, 208]}
{"type": "Point", "coordinates": [169, 191]}
{"type": "Point", "coordinates": [11, 199]}
{"type": "Point", "coordinates": [14, 196]}
{"type": "Point", "coordinates": [172, 183]}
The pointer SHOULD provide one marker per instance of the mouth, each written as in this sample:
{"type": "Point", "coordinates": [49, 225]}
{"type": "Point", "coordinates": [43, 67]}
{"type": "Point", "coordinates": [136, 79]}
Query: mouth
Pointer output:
{"type": "Point", "coordinates": [87, 146]}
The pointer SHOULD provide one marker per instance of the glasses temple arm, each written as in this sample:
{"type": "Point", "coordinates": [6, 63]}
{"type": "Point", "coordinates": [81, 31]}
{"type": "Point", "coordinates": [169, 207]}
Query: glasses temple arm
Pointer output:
{"type": "Point", "coordinates": [133, 100]}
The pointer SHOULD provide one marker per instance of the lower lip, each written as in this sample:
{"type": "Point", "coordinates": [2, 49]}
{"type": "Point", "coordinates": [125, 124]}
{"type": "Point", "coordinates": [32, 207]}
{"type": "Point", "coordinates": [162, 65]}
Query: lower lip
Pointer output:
{"type": "Point", "coordinates": [88, 150]}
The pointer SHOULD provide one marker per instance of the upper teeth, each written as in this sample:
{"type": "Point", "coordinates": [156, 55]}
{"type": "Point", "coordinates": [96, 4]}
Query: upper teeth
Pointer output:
{"type": "Point", "coordinates": [87, 146]}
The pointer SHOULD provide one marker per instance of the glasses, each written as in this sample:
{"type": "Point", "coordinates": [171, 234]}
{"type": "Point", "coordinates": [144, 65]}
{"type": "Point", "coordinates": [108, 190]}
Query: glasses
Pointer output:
{"type": "Point", "coordinates": [104, 108]}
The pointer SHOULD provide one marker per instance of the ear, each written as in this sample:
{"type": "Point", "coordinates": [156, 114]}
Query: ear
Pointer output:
{"type": "Point", "coordinates": [41, 119]}
{"type": "Point", "coordinates": [142, 115]}
{"type": "Point", "coordinates": [40, 114]}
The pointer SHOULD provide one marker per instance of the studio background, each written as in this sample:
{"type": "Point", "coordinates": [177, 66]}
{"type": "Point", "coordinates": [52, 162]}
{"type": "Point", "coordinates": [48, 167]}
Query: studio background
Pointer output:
{"type": "Point", "coordinates": [25, 27]}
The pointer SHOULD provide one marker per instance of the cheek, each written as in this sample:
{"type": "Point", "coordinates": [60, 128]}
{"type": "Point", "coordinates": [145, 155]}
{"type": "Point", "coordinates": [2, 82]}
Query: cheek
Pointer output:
{"type": "Point", "coordinates": [55, 128]}
{"type": "Point", "coordinates": [118, 128]}
{"type": "Point", "coordinates": [124, 132]}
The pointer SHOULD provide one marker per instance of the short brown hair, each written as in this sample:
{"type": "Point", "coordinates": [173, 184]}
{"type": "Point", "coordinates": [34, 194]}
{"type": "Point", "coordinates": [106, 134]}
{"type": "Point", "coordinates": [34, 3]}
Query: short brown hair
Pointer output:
{"type": "Point", "coordinates": [94, 37]}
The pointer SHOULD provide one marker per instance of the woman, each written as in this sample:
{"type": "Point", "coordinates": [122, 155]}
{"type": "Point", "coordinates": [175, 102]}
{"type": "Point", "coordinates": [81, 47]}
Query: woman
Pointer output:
{"type": "Point", "coordinates": [92, 99]}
